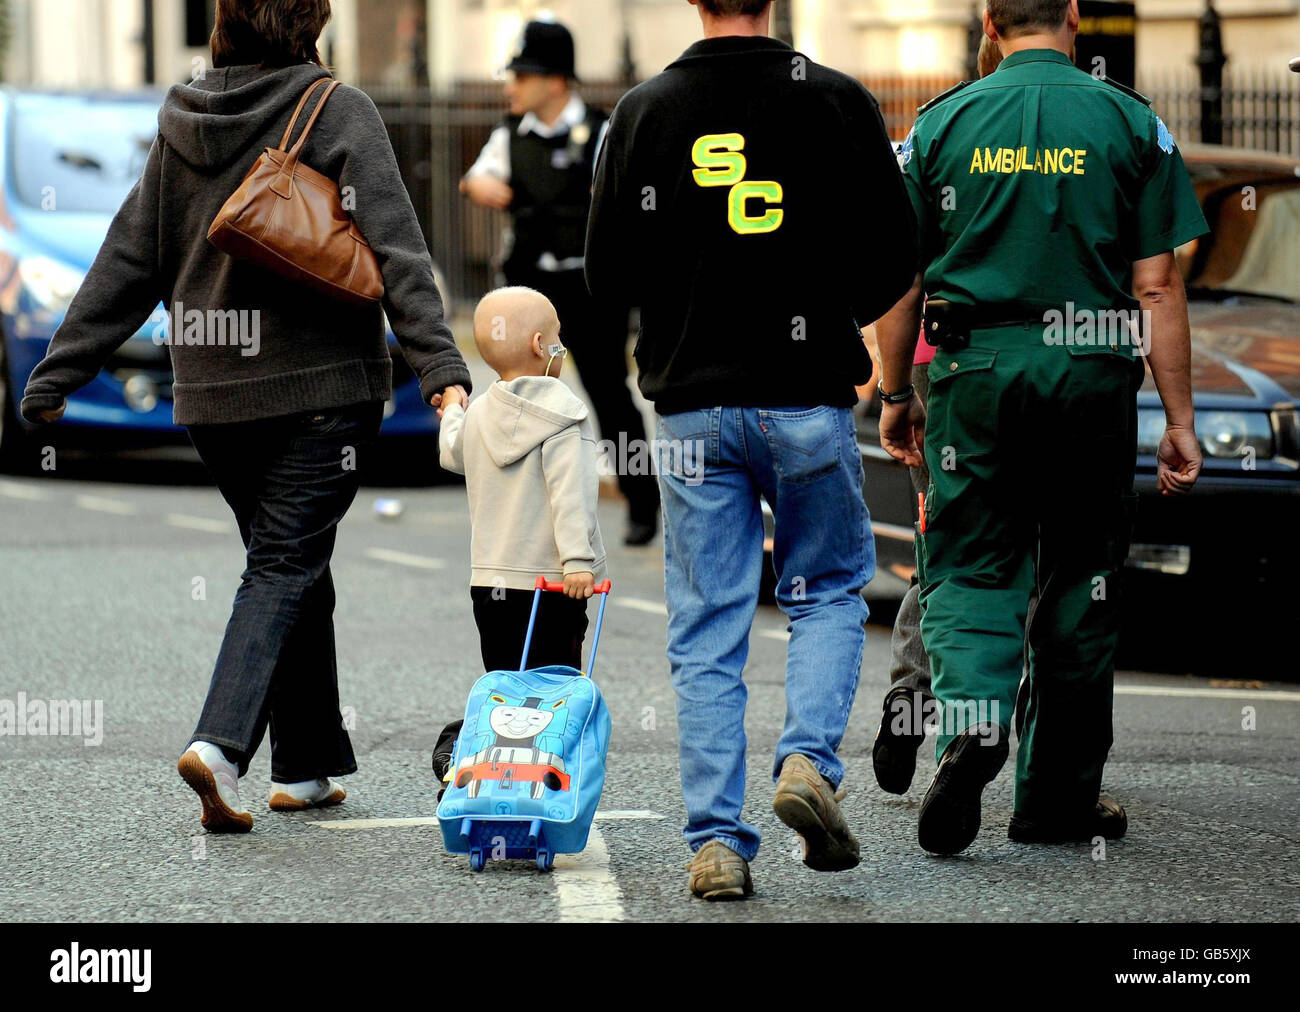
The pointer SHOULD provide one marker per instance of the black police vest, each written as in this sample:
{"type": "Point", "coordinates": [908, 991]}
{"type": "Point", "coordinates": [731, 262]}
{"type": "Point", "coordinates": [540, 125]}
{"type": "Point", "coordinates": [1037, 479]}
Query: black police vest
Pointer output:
{"type": "Point", "coordinates": [551, 177]}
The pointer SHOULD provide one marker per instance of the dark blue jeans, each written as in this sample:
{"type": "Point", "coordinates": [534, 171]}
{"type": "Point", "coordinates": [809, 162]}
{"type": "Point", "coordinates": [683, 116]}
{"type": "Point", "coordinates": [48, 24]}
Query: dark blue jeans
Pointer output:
{"type": "Point", "coordinates": [289, 481]}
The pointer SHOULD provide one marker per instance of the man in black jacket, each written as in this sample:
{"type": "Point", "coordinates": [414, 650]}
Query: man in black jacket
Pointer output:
{"type": "Point", "coordinates": [748, 200]}
{"type": "Point", "coordinates": [538, 166]}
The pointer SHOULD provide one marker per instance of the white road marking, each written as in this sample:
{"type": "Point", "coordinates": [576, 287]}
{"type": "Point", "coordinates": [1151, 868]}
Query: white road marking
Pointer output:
{"type": "Point", "coordinates": [775, 634]}
{"type": "Point", "coordinates": [585, 886]}
{"type": "Point", "coordinates": [614, 815]}
{"type": "Point", "coordinates": [1158, 690]}
{"type": "Point", "coordinates": [636, 603]}
{"type": "Point", "coordinates": [198, 524]}
{"type": "Point", "coordinates": [13, 491]}
{"type": "Point", "coordinates": [98, 504]}
{"type": "Point", "coordinates": [375, 823]}
{"type": "Point", "coordinates": [404, 559]}
{"type": "Point", "coordinates": [617, 815]}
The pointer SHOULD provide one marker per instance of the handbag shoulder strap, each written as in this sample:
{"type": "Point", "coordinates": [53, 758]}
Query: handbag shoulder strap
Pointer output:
{"type": "Point", "coordinates": [282, 185]}
{"type": "Point", "coordinates": [302, 102]}
{"type": "Point", "coordinates": [315, 115]}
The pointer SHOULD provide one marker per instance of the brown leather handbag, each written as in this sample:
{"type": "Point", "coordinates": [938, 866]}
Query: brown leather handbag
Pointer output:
{"type": "Point", "coordinates": [290, 219]}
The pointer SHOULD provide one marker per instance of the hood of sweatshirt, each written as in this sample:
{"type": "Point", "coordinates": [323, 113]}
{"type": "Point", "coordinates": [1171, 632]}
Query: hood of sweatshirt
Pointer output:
{"type": "Point", "coordinates": [214, 121]}
{"type": "Point", "coordinates": [519, 416]}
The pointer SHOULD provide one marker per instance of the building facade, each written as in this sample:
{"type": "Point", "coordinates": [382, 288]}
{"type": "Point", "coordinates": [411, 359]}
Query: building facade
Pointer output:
{"type": "Point", "coordinates": [100, 43]}
{"type": "Point", "coordinates": [866, 37]}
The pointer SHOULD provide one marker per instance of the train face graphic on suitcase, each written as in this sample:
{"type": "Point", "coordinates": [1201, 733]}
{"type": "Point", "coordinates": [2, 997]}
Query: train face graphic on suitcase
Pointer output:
{"type": "Point", "coordinates": [518, 747]}
{"type": "Point", "coordinates": [528, 767]}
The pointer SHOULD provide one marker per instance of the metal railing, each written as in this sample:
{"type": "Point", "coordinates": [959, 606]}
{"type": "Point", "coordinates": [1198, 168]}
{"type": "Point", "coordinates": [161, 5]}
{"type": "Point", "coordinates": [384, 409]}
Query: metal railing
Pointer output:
{"type": "Point", "coordinates": [1261, 109]}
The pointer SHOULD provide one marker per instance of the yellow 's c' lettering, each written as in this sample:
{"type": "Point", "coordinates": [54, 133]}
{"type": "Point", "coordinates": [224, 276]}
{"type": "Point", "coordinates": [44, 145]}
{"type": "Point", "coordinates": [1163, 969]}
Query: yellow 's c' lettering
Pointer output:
{"type": "Point", "coordinates": [766, 191]}
{"type": "Point", "coordinates": [719, 159]}
{"type": "Point", "coordinates": [719, 162]}
{"type": "Point", "coordinates": [1064, 170]}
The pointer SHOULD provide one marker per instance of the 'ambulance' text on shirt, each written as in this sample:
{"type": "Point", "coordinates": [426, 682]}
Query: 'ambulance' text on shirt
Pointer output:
{"type": "Point", "coordinates": [1054, 161]}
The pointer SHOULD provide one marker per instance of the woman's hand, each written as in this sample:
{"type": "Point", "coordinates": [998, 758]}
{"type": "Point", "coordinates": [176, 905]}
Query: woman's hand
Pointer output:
{"type": "Point", "coordinates": [53, 414]}
{"type": "Point", "coordinates": [449, 398]}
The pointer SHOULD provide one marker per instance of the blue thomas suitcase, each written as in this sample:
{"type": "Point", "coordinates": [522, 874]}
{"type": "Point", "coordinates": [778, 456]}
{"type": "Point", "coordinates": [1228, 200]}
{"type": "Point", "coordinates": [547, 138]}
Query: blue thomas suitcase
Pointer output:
{"type": "Point", "coordinates": [529, 765]}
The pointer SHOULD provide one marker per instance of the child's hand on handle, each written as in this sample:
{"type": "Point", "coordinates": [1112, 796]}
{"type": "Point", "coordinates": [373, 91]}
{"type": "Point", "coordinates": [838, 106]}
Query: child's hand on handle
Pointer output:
{"type": "Point", "coordinates": [580, 586]}
{"type": "Point", "coordinates": [449, 397]}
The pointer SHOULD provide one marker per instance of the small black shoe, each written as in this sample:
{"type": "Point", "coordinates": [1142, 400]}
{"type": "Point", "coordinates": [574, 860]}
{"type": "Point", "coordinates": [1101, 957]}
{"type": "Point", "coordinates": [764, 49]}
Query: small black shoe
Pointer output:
{"type": "Point", "coordinates": [640, 533]}
{"type": "Point", "coordinates": [901, 733]}
{"type": "Point", "coordinates": [443, 753]}
{"type": "Point", "coordinates": [1108, 820]}
{"type": "Point", "coordinates": [950, 813]}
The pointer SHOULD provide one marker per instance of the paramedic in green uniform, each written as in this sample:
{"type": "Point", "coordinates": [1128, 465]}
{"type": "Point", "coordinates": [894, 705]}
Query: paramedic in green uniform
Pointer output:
{"type": "Point", "coordinates": [1050, 205]}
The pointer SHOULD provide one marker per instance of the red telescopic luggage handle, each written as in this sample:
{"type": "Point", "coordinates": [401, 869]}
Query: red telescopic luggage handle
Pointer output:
{"type": "Point", "coordinates": [558, 588]}
{"type": "Point", "coordinates": [601, 589]}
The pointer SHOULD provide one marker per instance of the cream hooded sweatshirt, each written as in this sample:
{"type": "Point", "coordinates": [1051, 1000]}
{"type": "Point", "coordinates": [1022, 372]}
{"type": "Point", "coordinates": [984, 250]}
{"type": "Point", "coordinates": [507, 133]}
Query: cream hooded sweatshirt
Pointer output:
{"type": "Point", "coordinates": [528, 452]}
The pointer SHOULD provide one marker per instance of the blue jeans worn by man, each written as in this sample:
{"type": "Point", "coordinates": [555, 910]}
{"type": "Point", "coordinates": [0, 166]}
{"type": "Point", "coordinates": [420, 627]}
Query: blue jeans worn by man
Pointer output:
{"type": "Point", "coordinates": [714, 466]}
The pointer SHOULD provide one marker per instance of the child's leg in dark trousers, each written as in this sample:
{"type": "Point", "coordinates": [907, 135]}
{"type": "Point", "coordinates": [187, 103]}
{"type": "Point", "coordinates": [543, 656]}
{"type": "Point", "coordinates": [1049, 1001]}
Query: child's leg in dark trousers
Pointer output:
{"type": "Point", "coordinates": [502, 618]}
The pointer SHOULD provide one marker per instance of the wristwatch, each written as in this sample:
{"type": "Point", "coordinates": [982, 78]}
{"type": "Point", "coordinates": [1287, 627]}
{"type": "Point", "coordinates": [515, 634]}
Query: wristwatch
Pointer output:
{"type": "Point", "coordinates": [902, 397]}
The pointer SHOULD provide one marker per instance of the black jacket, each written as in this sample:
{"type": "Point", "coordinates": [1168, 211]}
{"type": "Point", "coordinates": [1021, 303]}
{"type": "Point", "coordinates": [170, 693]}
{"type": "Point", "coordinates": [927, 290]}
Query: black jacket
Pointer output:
{"type": "Point", "coordinates": [767, 315]}
{"type": "Point", "coordinates": [315, 352]}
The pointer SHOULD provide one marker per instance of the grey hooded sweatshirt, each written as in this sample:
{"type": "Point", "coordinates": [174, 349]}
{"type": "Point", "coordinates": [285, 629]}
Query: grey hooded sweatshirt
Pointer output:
{"type": "Point", "coordinates": [314, 352]}
{"type": "Point", "coordinates": [528, 452]}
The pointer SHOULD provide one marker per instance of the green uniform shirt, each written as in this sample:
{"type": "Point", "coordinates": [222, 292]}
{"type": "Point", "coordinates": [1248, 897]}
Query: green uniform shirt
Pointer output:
{"type": "Point", "coordinates": [1041, 185]}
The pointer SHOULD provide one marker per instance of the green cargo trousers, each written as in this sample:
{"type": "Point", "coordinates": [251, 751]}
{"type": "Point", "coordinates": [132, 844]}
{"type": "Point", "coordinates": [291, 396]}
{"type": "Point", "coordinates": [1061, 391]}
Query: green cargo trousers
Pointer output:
{"type": "Point", "coordinates": [1031, 449]}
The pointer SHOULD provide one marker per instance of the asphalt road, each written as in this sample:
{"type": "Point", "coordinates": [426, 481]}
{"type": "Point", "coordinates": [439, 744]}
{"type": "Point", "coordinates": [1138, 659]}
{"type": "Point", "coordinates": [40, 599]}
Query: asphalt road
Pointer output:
{"type": "Point", "coordinates": [97, 602]}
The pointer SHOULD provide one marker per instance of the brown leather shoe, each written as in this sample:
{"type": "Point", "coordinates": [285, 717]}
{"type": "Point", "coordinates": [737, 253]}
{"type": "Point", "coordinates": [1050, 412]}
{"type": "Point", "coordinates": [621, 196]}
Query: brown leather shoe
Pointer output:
{"type": "Point", "coordinates": [807, 804]}
{"type": "Point", "coordinates": [719, 873]}
{"type": "Point", "coordinates": [1108, 820]}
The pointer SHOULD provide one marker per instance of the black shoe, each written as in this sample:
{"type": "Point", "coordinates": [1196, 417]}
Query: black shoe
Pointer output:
{"type": "Point", "coordinates": [443, 753]}
{"type": "Point", "coordinates": [950, 813]}
{"type": "Point", "coordinates": [640, 533]}
{"type": "Point", "coordinates": [901, 733]}
{"type": "Point", "coordinates": [1108, 820]}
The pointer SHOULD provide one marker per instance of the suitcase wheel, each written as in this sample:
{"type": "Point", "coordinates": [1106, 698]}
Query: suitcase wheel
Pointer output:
{"type": "Point", "coordinates": [477, 859]}
{"type": "Point", "coordinates": [545, 859]}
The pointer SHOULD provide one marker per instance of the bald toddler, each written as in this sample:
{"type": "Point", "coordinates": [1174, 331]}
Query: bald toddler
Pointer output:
{"type": "Point", "coordinates": [527, 449]}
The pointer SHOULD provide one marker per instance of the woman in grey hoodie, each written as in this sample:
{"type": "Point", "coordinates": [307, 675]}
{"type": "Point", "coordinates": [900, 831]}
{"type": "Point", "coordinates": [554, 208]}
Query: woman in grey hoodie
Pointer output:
{"type": "Point", "coordinates": [280, 429]}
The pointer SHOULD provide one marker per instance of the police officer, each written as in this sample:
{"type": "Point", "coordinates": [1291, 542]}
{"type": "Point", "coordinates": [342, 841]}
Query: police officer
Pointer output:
{"type": "Point", "coordinates": [539, 167]}
{"type": "Point", "coordinates": [1050, 205]}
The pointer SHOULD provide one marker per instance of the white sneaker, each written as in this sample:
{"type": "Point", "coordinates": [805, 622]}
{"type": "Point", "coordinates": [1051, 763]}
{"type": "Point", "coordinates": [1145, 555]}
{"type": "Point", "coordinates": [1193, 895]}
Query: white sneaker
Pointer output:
{"type": "Point", "coordinates": [306, 794]}
{"type": "Point", "coordinates": [216, 781]}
